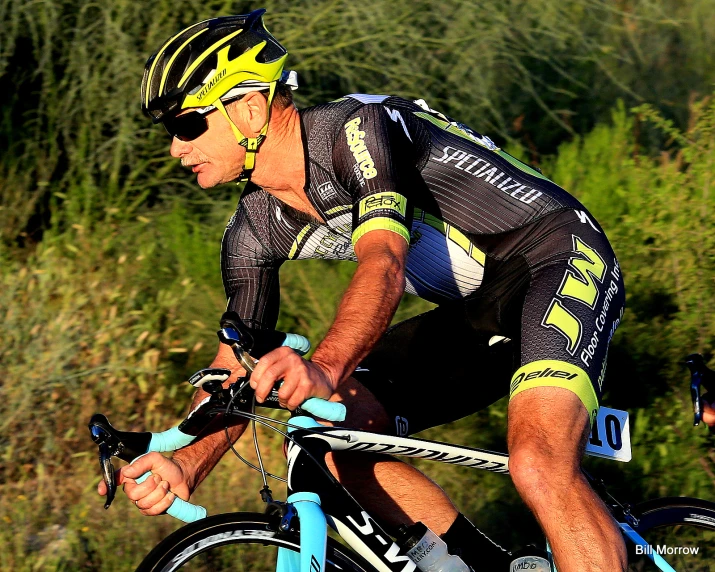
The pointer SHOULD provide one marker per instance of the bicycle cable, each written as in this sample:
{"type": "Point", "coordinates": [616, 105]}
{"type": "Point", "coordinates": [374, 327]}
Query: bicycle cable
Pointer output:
{"type": "Point", "coordinates": [255, 444]}
{"type": "Point", "coordinates": [266, 421]}
{"type": "Point", "coordinates": [253, 417]}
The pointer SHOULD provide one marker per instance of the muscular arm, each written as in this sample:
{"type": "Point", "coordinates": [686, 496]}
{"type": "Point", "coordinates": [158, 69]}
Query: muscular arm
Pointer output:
{"type": "Point", "coordinates": [368, 305]}
{"type": "Point", "coordinates": [364, 313]}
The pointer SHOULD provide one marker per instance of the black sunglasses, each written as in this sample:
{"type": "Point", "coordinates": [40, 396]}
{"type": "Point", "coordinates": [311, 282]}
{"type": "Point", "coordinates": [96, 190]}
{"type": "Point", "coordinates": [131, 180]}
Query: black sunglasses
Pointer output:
{"type": "Point", "coordinates": [188, 126]}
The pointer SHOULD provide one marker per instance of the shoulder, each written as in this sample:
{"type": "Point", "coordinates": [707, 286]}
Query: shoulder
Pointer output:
{"type": "Point", "coordinates": [338, 112]}
{"type": "Point", "coordinates": [249, 226]}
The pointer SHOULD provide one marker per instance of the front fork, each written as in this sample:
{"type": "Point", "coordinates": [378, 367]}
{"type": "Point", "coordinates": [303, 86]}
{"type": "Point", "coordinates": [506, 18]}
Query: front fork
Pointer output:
{"type": "Point", "coordinates": [313, 536]}
{"type": "Point", "coordinates": [313, 526]}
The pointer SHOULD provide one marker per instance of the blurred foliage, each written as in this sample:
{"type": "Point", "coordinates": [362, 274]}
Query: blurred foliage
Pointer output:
{"type": "Point", "coordinates": [109, 254]}
{"type": "Point", "coordinates": [76, 149]}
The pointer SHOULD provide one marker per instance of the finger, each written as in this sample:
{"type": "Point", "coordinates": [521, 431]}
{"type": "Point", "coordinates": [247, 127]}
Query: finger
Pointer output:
{"type": "Point", "coordinates": [154, 497]}
{"type": "Point", "coordinates": [264, 386]}
{"type": "Point", "coordinates": [141, 465]}
{"type": "Point", "coordinates": [264, 363]}
{"type": "Point", "coordinates": [268, 378]}
{"type": "Point", "coordinates": [708, 414]}
{"type": "Point", "coordinates": [298, 397]}
{"type": "Point", "coordinates": [290, 384]}
{"type": "Point", "coordinates": [137, 492]}
{"type": "Point", "coordinates": [161, 507]}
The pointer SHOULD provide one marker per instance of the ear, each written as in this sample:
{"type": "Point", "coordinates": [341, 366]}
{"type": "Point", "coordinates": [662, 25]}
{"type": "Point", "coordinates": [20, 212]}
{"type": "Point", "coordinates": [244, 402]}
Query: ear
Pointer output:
{"type": "Point", "coordinates": [249, 113]}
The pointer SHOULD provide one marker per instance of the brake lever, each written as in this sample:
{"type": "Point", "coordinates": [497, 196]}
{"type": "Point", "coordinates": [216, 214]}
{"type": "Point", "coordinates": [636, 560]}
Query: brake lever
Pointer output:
{"type": "Point", "coordinates": [113, 443]}
{"type": "Point", "coordinates": [105, 462]}
{"type": "Point", "coordinates": [697, 400]}
{"type": "Point", "coordinates": [107, 448]}
{"type": "Point", "coordinates": [698, 373]}
{"type": "Point", "coordinates": [232, 338]}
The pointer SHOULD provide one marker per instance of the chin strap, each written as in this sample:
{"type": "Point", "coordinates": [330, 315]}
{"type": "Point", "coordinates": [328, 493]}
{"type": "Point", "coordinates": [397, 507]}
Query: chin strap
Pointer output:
{"type": "Point", "coordinates": [250, 143]}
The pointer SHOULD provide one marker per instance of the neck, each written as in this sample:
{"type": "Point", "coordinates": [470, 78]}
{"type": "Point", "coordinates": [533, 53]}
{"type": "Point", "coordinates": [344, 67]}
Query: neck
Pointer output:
{"type": "Point", "coordinates": [280, 162]}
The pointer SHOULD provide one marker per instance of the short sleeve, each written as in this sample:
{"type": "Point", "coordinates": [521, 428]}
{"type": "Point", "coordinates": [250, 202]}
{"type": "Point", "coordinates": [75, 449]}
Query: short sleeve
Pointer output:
{"type": "Point", "coordinates": [373, 160]}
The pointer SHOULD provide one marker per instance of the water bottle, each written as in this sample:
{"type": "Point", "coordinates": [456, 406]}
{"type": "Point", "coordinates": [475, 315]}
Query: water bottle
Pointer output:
{"type": "Point", "coordinates": [531, 559]}
{"type": "Point", "coordinates": [428, 551]}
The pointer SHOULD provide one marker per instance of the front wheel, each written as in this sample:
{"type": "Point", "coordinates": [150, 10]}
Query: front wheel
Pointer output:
{"type": "Point", "coordinates": [239, 542]}
{"type": "Point", "coordinates": [680, 529]}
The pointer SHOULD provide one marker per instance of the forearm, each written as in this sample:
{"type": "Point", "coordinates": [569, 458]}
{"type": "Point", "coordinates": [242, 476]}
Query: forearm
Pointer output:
{"type": "Point", "coordinates": [198, 459]}
{"type": "Point", "coordinates": [365, 312]}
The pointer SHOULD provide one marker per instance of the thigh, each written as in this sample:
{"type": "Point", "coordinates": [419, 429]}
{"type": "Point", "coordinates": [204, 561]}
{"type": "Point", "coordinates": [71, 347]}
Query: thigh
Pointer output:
{"type": "Point", "coordinates": [435, 368]}
{"type": "Point", "coordinates": [363, 409]}
{"type": "Point", "coordinates": [572, 307]}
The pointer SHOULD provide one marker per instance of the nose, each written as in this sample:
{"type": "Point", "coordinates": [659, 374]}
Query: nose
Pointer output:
{"type": "Point", "coordinates": [179, 147]}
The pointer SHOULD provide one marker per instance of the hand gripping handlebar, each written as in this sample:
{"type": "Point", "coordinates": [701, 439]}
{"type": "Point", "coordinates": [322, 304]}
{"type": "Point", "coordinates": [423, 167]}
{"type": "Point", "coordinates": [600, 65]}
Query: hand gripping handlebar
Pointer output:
{"type": "Point", "coordinates": [244, 341]}
{"type": "Point", "coordinates": [129, 446]}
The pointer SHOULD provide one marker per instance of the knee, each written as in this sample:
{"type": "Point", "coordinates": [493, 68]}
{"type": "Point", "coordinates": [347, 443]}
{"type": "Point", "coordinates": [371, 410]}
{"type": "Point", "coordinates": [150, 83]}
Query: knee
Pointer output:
{"type": "Point", "coordinates": [539, 470]}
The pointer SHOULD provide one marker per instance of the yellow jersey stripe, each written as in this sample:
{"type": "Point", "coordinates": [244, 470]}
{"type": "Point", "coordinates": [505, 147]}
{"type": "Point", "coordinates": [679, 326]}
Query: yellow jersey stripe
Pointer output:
{"type": "Point", "coordinates": [338, 209]}
{"type": "Point", "coordinates": [380, 223]}
{"type": "Point", "coordinates": [297, 240]}
{"type": "Point", "coordinates": [555, 373]}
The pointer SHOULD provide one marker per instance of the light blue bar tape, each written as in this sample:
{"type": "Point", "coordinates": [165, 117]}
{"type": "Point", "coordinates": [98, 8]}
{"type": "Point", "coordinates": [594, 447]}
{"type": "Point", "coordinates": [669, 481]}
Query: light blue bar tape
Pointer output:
{"type": "Point", "coordinates": [303, 422]}
{"type": "Point", "coordinates": [180, 509]}
{"type": "Point", "coordinates": [328, 410]}
{"type": "Point", "coordinates": [298, 343]}
{"type": "Point", "coordinates": [169, 440]}
{"type": "Point", "coordinates": [649, 551]}
{"type": "Point", "coordinates": [313, 531]}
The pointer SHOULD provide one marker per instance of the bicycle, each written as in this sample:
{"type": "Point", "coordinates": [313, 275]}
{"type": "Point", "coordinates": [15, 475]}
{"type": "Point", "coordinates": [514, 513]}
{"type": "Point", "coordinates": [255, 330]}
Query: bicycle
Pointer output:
{"type": "Point", "coordinates": [316, 500]}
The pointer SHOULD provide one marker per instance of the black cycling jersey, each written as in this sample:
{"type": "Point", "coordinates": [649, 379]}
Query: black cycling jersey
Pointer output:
{"type": "Point", "coordinates": [476, 220]}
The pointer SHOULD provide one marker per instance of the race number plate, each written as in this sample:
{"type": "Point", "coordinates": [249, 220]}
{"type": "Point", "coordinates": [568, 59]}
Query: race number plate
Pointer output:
{"type": "Point", "coordinates": [610, 436]}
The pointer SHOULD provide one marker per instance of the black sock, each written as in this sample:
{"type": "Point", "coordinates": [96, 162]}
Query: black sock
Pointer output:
{"type": "Point", "coordinates": [474, 547]}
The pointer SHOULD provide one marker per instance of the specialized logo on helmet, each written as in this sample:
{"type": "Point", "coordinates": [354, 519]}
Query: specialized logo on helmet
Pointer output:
{"type": "Point", "coordinates": [207, 87]}
{"type": "Point", "coordinates": [359, 149]}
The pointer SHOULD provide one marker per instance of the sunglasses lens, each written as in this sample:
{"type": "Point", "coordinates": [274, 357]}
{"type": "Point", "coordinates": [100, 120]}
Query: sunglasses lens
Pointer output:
{"type": "Point", "coordinates": [187, 127]}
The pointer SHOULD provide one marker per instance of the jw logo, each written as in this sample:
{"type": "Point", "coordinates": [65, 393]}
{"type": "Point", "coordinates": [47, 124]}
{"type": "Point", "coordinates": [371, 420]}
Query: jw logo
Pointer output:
{"type": "Point", "coordinates": [579, 283]}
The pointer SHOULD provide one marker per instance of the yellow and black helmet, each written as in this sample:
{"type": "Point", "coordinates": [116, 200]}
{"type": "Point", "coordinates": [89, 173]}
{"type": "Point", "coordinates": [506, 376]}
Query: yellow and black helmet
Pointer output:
{"type": "Point", "coordinates": [203, 63]}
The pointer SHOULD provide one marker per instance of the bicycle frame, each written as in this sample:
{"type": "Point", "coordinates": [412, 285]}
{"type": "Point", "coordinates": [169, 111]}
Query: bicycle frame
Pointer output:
{"type": "Point", "coordinates": [315, 496]}
{"type": "Point", "coordinates": [319, 499]}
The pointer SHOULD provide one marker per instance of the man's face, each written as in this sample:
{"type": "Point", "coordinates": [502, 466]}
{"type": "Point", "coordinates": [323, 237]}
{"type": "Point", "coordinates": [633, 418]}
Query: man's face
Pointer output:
{"type": "Point", "coordinates": [215, 155]}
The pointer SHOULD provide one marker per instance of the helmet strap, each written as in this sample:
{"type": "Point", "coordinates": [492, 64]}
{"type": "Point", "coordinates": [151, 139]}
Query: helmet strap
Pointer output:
{"type": "Point", "coordinates": [250, 143]}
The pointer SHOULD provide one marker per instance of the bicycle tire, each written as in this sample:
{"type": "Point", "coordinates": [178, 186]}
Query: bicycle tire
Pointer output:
{"type": "Point", "coordinates": [674, 522]}
{"type": "Point", "coordinates": [239, 542]}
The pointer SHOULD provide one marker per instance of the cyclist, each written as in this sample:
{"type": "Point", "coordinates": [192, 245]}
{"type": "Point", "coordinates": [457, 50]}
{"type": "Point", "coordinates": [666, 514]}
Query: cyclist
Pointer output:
{"type": "Point", "coordinates": [529, 291]}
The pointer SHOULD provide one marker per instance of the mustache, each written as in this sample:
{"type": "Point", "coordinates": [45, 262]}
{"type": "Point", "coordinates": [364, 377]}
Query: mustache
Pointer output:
{"type": "Point", "coordinates": [189, 161]}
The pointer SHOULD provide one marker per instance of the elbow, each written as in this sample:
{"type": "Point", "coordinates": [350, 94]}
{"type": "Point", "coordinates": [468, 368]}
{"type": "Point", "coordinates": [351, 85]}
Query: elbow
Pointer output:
{"type": "Point", "coordinates": [382, 259]}
{"type": "Point", "coordinates": [391, 269]}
